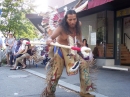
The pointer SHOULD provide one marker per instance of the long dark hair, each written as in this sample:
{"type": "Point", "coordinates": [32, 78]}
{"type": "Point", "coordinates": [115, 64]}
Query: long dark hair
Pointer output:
{"type": "Point", "coordinates": [65, 25]}
{"type": "Point", "coordinates": [86, 42]}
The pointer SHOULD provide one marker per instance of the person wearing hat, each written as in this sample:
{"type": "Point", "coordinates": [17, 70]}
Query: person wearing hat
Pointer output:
{"type": "Point", "coordinates": [9, 43]}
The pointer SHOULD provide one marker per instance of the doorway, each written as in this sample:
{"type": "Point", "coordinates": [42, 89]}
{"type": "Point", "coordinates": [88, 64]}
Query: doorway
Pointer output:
{"type": "Point", "coordinates": [118, 42]}
{"type": "Point", "coordinates": [122, 47]}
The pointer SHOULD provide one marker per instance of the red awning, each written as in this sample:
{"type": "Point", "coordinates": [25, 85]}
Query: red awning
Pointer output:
{"type": "Point", "coordinates": [91, 4]}
{"type": "Point", "coordinates": [94, 3]}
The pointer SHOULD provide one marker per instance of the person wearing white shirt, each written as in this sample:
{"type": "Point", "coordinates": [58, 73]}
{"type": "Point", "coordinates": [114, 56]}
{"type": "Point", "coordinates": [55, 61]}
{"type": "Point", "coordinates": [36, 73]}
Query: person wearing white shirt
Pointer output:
{"type": "Point", "coordinates": [43, 39]}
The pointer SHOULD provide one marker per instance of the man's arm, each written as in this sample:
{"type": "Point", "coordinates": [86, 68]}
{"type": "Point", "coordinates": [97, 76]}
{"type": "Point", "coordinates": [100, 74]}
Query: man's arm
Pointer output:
{"type": "Point", "coordinates": [25, 51]}
{"type": "Point", "coordinates": [56, 33]}
{"type": "Point", "coordinates": [21, 50]}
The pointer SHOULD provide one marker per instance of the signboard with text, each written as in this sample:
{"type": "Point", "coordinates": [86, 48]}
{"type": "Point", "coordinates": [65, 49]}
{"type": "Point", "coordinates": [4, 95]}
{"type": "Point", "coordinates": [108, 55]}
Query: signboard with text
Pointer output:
{"type": "Point", "coordinates": [123, 12]}
{"type": "Point", "coordinates": [93, 38]}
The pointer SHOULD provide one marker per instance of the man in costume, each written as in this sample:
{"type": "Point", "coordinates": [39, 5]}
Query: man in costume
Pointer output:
{"type": "Point", "coordinates": [68, 29]}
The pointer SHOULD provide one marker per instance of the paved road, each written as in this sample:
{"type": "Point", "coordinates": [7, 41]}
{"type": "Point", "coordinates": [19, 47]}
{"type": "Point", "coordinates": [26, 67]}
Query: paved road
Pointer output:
{"type": "Point", "coordinates": [111, 83]}
{"type": "Point", "coordinates": [20, 83]}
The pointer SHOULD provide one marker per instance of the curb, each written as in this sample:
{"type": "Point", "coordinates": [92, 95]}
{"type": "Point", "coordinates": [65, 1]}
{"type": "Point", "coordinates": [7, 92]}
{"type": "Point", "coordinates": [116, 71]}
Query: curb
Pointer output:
{"type": "Point", "coordinates": [63, 83]}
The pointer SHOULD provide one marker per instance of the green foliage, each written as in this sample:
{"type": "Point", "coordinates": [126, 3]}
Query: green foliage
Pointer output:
{"type": "Point", "coordinates": [14, 18]}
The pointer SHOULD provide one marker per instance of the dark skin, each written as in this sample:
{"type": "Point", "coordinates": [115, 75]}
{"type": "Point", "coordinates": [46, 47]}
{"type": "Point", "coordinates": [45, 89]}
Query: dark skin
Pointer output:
{"type": "Point", "coordinates": [59, 34]}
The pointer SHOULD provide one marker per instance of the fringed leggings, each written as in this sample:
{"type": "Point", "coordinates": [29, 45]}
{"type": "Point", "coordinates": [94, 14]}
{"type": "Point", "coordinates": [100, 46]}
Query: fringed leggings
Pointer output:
{"type": "Point", "coordinates": [61, 58]}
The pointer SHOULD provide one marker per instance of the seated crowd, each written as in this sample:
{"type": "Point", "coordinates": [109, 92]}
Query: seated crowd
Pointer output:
{"type": "Point", "coordinates": [17, 52]}
{"type": "Point", "coordinates": [23, 52]}
{"type": "Point", "coordinates": [20, 52]}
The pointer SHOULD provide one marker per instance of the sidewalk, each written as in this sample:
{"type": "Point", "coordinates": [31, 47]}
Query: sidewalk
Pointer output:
{"type": "Point", "coordinates": [70, 82]}
{"type": "Point", "coordinates": [19, 83]}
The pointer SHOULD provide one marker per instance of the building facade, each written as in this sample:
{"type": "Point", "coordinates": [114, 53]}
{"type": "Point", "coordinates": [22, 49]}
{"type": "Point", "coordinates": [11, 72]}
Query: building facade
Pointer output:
{"type": "Point", "coordinates": [108, 22]}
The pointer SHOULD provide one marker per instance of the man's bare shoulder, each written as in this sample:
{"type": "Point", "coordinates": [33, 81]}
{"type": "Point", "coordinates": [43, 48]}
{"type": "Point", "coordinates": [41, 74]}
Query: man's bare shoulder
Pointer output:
{"type": "Point", "coordinates": [56, 32]}
{"type": "Point", "coordinates": [59, 28]}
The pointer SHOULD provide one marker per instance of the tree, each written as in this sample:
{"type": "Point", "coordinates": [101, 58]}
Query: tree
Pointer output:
{"type": "Point", "coordinates": [14, 19]}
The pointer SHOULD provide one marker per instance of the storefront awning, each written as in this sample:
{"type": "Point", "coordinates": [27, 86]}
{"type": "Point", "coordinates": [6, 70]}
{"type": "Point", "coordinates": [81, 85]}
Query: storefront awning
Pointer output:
{"type": "Point", "coordinates": [91, 4]}
{"type": "Point", "coordinates": [94, 3]}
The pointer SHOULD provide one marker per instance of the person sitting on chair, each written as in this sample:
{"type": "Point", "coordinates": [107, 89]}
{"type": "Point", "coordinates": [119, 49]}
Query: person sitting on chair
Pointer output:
{"type": "Point", "coordinates": [25, 54]}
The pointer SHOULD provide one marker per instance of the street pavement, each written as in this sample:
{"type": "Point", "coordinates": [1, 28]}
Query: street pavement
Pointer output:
{"type": "Point", "coordinates": [30, 82]}
{"type": "Point", "coordinates": [19, 83]}
{"type": "Point", "coordinates": [109, 83]}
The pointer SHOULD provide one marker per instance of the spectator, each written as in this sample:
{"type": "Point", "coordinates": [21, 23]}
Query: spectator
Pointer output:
{"type": "Point", "coordinates": [16, 49]}
{"type": "Point", "coordinates": [12, 54]}
{"type": "Point", "coordinates": [21, 48]}
{"type": "Point", "coordinates": [9, 43]}
{"type": "Point", "coordinates": [26, 53]}
{"type": "Point", "coordinates": [85, 43]}
{"type": "Point", "coordinates": [1, 43]}
{"type": "Point", "coordinates": [43, 39]}
{"type": "Point", "coordinates": [43, 52]}
{"type": "Point", "coordinates": [96, 51]}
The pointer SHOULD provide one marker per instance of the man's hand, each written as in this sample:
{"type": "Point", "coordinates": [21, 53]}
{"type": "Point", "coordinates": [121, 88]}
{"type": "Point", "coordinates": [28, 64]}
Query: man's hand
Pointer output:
{"type": "Point", "coordinates": [49, 40]}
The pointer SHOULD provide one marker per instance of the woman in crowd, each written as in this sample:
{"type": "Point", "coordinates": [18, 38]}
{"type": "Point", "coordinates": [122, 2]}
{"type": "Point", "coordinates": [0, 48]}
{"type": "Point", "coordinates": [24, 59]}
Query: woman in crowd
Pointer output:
{"type": "Point", "coordinates": [9, 43]}
{"type": "Point", "coordinates": [85, 43]}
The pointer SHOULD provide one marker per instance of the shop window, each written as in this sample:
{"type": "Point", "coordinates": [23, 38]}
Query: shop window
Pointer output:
{"type": "Point", "coordinates": [110, 34]}
{"type": "Point", "coordinates": [98, 29]}
{"type": "Point", "coordinates": [101, 34]}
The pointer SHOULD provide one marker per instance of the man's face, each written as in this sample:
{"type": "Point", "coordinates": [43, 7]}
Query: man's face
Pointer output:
{"type": "Point", "coordinates": [71, 20]}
